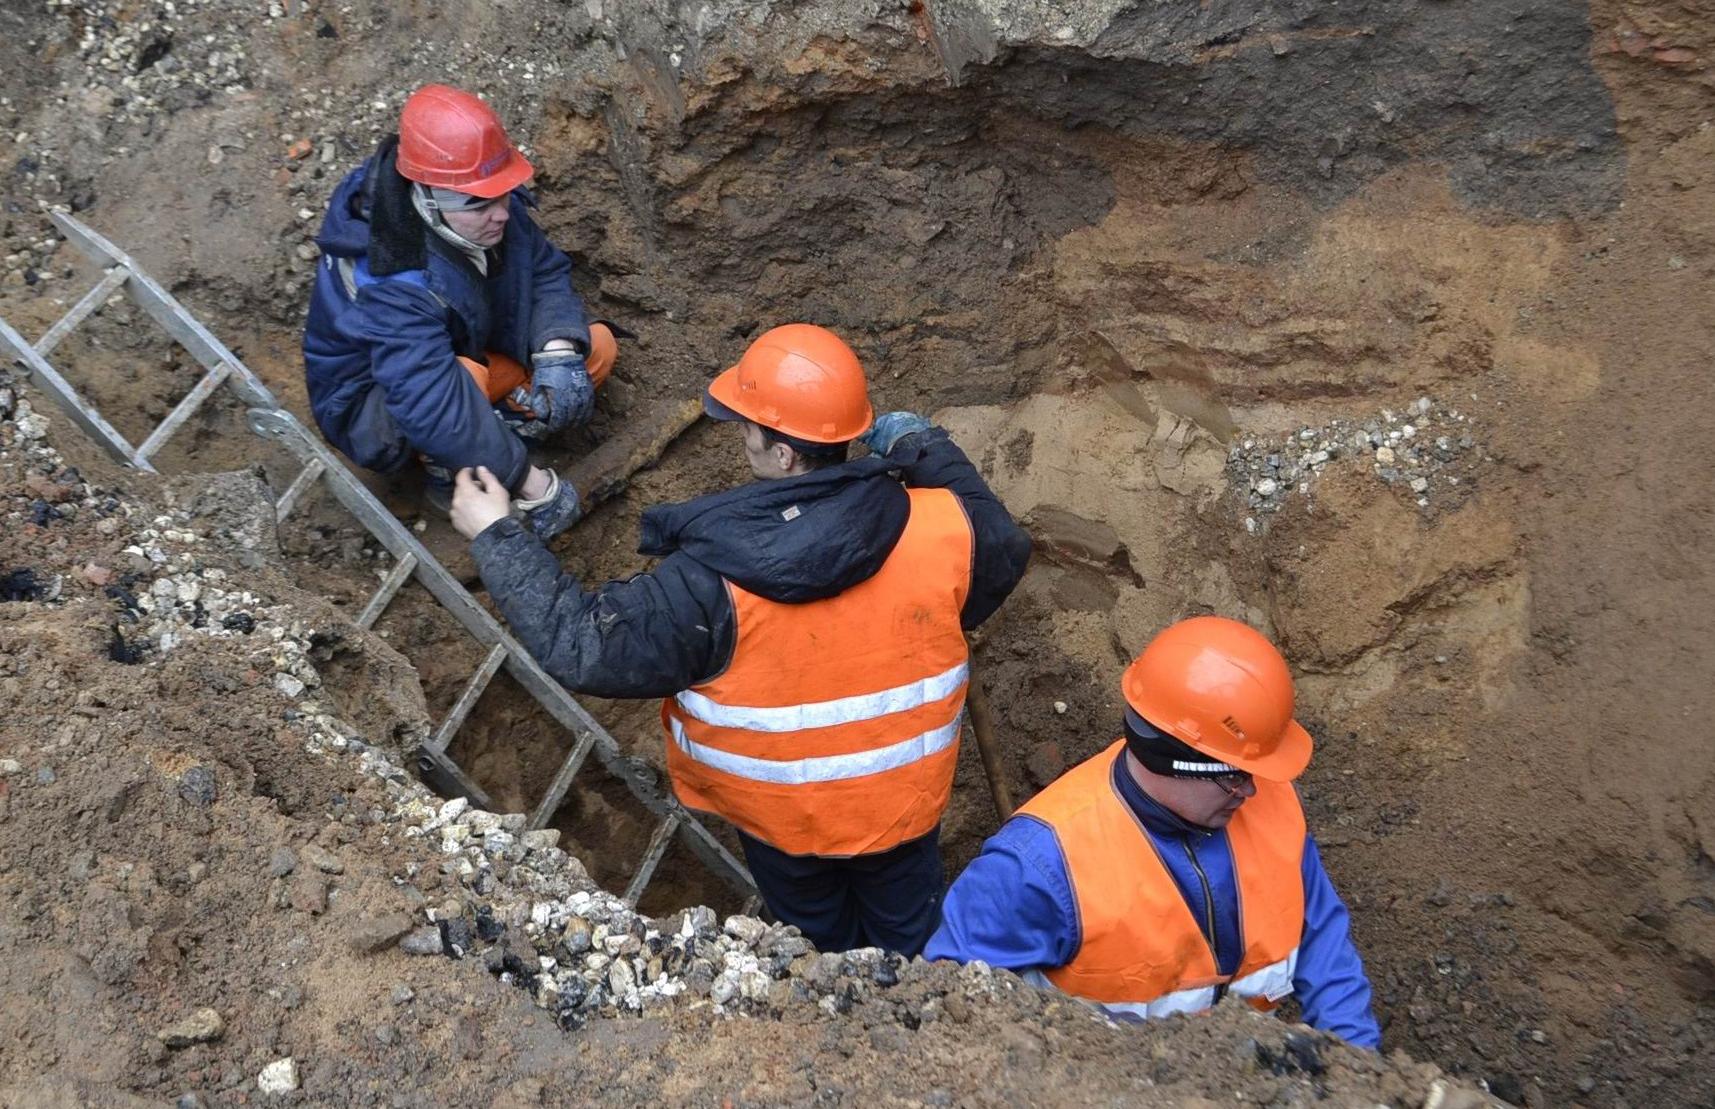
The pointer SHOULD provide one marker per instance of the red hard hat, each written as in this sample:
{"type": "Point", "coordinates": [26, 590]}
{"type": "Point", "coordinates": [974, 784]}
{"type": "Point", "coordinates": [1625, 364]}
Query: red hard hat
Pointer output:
{"type": "Point", "coordinates": [453, 140]}
{"type": "Point", "coordinates": [800, 380]}
{"type": "Point", "coordinates": [1221, 687]}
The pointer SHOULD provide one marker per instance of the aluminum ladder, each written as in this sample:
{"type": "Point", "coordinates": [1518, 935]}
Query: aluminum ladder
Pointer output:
{"type": "Point", "coordinates": [268, 419]}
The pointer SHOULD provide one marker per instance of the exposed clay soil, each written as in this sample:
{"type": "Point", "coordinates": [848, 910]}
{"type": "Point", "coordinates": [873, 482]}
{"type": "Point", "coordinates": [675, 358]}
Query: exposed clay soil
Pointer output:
{"type": "Point", "coordinates": [1103, 268]}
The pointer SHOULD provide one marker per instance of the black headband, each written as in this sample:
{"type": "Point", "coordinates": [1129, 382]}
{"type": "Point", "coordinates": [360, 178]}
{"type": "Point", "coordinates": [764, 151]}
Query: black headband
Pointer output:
{"type": "Point", "coordinates": [1162, 754]}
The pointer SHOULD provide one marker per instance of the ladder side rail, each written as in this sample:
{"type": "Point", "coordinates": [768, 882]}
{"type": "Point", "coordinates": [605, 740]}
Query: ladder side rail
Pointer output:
{"type": "Point", "coordinates": [80, 412]}
{"type": "Point", "coordinates": [485, 629]}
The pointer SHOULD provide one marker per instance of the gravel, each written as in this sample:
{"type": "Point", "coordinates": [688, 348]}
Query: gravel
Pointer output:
{"type": "Point", "coordinates": [1429, 450]}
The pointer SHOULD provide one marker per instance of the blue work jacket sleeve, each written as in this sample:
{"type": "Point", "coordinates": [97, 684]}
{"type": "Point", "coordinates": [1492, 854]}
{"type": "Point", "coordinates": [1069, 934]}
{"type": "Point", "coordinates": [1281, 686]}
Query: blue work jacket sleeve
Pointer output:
{"type": "Point", "coordinates": [648, 636]}
{"type": "Point", "coordinates": [556, 311]}
{"type": "Point", "coordinates": [1013, 906]}
{"type": "Point", "coordinates": [931, 460]}
{"type": "Point", "coordinates": [434, 402]}
{"type": "Point", "coordinates": [1330, 983]}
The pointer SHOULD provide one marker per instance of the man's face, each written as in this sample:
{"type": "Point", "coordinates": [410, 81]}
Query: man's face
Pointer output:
{"type": "Point", "coordinates": [483, 225]}
{"type": "Point", "coordinates": [767, 460]}
{"type": "Point", "coordinates": [1202, 802]}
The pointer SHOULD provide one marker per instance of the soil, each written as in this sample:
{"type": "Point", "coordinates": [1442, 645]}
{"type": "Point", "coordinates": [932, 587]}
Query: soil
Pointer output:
{"type": "Point", "coordinates": [1094, 251]}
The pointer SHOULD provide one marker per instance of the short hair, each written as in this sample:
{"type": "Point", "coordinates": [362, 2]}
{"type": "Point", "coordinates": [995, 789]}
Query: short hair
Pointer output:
{"type": "Point", "coordinates": [815, 455]}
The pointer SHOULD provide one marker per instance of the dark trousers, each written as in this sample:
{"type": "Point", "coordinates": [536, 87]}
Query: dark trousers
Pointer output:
{"type": "Point", "coordinates": [890, 900]}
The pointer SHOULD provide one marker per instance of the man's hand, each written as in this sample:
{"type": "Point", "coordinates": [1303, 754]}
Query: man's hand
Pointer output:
{"type": "Point", "coordinates": [889, 429]}
{"type": "Point", "coordinates": [478, 501]}
{"type": "Point", "coordinates": [563, 394]}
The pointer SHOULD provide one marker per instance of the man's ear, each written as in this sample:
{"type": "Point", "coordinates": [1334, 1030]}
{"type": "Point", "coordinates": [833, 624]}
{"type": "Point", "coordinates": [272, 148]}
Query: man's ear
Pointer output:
{"type": "Point", "coordinates": [785, 457]}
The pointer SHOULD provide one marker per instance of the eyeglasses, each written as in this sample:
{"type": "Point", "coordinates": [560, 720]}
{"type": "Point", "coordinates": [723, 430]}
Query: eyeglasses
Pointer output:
{"type": "Point", "coordinates": [1233, 784]}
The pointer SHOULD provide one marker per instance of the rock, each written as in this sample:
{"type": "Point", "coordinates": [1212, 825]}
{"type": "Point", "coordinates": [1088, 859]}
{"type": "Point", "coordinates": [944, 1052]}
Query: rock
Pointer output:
{"type": "Point", "coordinates": [386, 1035]}
{"type": "Point", "coordinates": [725, 987]}
{"type": "Point", "coordinates": [9, 767]}
{"type": "Point", "coordinates": [1045, 763]}
{"type": "Point", "coordinates": [457, 937]}
{"type": "Point", "coordinates": [325, 861]}
{"type": "Point", "coordinates": [278, 1077]}
{"type": "Point", "coordinates": [402, 994]}
{"type": "Point", "coordinates": [282, 862]}
{"type": "Point", "coordinates": [541, 839]}
{"type": "Point", "coordinates": [289, 685]}
{"type": "Point", "coordinates": [1384, 456]}
{"type": "Point", "coordinates": [1419, 484]}
{"type": "Point", "coordinates": [370, 934]}
{"type": "Point", "coordinates": [746, 929]}
{"type": "Point", "coordinates": [423, 941]}
{"type": "Point", "coordinates": [576, 938]}
{"type": "Point", "coordinates": [197, 786]}
{"type": "Point", "coordinates": [888, 1037]}
{"type": "Point", "coordinates": [1267, 487]}
{"type": "Point", "coordinates": [956, 1007]}
{"type": "Point", "coordinates": [200, 1027]}
{"type": "Point", "coordinates": [309, 894]}
{"type": "Point", "coordinates": [1060, 708]}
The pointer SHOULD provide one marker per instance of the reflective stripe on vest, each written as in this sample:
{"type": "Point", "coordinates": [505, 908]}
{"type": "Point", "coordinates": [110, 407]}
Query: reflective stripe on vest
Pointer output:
{"type": "Point", "coordinates": [1265, 988]}
{"type": "Point", "coordinates": [834, 729]}
{"type": "Point", "coordinates": [1141, 952]}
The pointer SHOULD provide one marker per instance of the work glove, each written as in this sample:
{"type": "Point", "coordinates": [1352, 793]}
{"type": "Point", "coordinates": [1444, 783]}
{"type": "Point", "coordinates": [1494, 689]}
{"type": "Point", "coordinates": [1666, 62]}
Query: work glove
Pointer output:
{"type": "Point", "coordinates": [890, 428]}
{"type": "Point", "coordinates": [560, 394]}
{"type": "Point", "coordinates": [552, 512]}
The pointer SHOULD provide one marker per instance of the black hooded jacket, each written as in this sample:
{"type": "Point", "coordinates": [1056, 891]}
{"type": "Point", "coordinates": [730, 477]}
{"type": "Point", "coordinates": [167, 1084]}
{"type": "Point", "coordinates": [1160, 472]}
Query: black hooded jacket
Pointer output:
{"type": "Point", "coordinates": [658, 633]}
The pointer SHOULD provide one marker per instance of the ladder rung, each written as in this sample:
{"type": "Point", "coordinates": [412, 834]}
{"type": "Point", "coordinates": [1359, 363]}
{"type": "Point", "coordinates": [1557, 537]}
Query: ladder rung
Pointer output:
{"type": "Point", "coordinates": [557, 789]}
{"type": "Point", "coordinates": [95, 298]}
{"type": "Point", "coordinates": [289, 499]}
{"type": "Point", "coordinates": [652, 858]}
{"type": "Point", "coordinates": [467, 700]}
{"type": "Point", "coordinates": [395, 580]}
{"type": "Point", "coordinates": [193, 400]}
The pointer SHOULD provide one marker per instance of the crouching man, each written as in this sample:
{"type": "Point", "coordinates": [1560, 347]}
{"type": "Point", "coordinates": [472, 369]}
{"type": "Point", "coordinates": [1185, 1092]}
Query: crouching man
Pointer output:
{"type": "Point", "coordinates": [443, 326]}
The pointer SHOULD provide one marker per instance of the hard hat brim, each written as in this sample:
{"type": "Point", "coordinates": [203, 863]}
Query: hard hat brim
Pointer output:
{"type": "Point", "coordinates": [719, 397]}
{"type": "Point", "coordinates": [1287, 761]}
{"type": "Point", "coordinates": [514, 173]}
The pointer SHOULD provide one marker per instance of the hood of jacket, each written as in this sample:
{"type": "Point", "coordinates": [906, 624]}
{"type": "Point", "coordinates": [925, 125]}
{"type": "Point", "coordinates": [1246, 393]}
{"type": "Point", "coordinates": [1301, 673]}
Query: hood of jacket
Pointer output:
{"type": "Point", "coordinates": [370, 215]}
{"type": "Point", "coordinates": [791, 540]}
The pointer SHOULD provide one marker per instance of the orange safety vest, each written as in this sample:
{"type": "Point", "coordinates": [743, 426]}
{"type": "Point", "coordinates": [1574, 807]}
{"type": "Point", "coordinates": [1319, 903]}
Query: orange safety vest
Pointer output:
{"type": "Point", "coordinates": [835, 727]}
{"type": "Point", "coordinates": [1141, 951]}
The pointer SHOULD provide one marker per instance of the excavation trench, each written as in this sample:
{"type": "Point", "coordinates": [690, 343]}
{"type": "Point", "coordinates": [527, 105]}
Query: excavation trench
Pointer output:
{"type": "Point", "coordinates": [1206, 350]}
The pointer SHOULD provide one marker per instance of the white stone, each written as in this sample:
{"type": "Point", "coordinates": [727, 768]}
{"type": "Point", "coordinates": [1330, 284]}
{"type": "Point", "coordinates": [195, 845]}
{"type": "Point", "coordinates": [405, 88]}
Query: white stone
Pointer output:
{"type": "Point", "coordinates": [288, 685]}
{"type": "Point", "coordinates": [1266, 487]}
{"type": "Point", "coordinates": [1060, 708]}
{"type": "Point", "coordinates": [1384, 456]}
{"type": "Point", "coordinates": [278, 1077]}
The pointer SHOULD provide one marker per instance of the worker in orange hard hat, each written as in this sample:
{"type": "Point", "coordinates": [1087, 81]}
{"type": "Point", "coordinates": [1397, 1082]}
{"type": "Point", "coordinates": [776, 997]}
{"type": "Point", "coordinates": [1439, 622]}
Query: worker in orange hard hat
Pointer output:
{"type": "Point", "coordinates": [443, 326]}
{"type": "Point", "coordinates": [1173, 869]}
{"type": "Point", "coordinates": [806, 631]}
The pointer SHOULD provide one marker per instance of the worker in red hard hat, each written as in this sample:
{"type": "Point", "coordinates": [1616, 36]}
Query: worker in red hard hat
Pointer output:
{"type": "Point", "coordinates": [1174, 869]}
{"type": "Point", "coordinates": [443, 326]}
{"type": "Point", "coordinates": [806, 631]}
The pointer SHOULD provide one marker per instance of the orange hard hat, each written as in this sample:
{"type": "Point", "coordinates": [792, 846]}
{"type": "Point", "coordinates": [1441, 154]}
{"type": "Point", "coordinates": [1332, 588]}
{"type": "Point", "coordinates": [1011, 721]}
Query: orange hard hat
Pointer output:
{"type": "Point", "coordinates": [800, 380]}
{"type": "Point", "coordinates": [1223, 688]}
{"type": "Point", "coordinates": [451, 139]}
